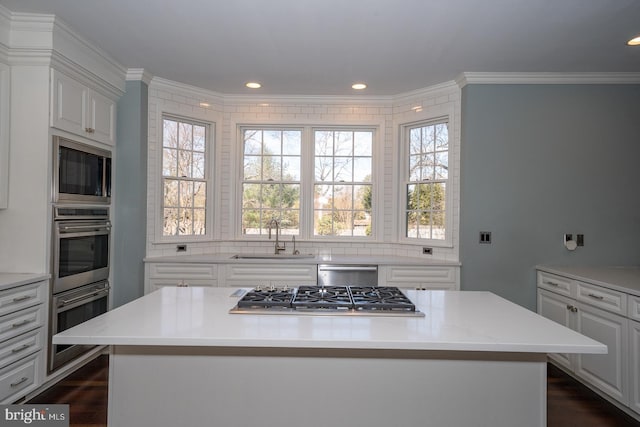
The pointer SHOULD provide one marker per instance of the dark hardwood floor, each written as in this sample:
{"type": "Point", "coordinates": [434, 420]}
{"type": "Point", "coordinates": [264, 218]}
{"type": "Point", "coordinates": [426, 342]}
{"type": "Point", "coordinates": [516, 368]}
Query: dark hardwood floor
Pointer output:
{"type": "Point", "coordinates": [569, 403]}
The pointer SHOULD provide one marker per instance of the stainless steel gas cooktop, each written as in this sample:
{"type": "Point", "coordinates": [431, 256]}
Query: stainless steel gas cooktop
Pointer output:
{"type": "Point", "coordinates": [327, 300]}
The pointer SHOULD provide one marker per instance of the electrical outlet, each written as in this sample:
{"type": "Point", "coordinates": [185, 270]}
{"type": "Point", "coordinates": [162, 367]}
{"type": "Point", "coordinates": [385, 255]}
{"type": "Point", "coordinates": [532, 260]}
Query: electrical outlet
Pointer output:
{"type": "Point", "coordinates": [485, 237]}
{"type": "Point", "coordinates": [181, 248]}
{"type": "Point", "coordinates": [427, 251]}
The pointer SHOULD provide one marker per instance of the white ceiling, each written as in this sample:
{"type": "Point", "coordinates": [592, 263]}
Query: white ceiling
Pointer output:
{"type": "Point", "coordinates": [320, 47]}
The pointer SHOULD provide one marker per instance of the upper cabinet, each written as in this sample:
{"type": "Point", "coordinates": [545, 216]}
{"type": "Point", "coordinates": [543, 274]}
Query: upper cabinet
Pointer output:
{"type": "Point", "coordinates": [79, 109]}
{"type": "Point", "coordinates": [4, 135]}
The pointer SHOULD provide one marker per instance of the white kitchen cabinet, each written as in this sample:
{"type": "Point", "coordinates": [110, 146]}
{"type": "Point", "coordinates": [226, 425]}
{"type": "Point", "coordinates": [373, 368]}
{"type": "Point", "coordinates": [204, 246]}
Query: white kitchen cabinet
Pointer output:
{"type": "Point", "coordinates": [607, 372]}
{"type": "Point", "coordinates": [180, 274]}
{"type": "Point", "coordinates": [561, 310]}
{"type": "Point", "coordinates": [634, 364]}
{"type": "Point", "coordinates": [419, 277]}
{"type": "Point", "coordinates": [602, 313]}
{"type": "Point", "coordinates": [22, 339]}
{"type": "Point", "coordinates": [78, 109]}
{"type": "Point", "coordinates": [5, 109]}
{"type": "Point", "coordinates": [251, 275]}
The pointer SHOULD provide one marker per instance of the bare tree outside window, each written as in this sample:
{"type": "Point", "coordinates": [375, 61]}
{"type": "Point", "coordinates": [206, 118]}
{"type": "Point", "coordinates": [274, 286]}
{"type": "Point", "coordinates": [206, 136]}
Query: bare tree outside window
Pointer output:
{"type": "Point", "coordinates": [184, 177]}
{"type": "Point", "coordinates": [426, 180]}
{"type": "Point", "coordinates": [271, 180]}
{"type": "Point", "coordinates": [342, 182]}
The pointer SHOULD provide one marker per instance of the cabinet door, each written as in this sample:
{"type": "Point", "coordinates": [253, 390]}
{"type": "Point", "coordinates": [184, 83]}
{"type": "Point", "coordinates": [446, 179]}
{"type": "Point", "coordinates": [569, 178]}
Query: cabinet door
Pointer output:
{"type": "Point", "coordinates": [5, 116]}
{"type": "Point", "coordinates": [69, 100]}
{"type": "Point", "coordinates": [559, 309]}
{"type": "Point", "coordinates": [634, 363]}
{"type": "Point", "coordinates": [608, 372]}
{"type": "Point", "coordinates": [102, 118]}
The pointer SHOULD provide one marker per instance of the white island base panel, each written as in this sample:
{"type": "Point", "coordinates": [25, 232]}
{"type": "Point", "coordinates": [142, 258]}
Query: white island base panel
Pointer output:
{"type": "Point", "coordinates": [252, 387]}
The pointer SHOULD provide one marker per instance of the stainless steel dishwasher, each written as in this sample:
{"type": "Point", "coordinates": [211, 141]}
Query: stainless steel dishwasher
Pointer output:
{"type": "Point", "coordinates": [347, 274]}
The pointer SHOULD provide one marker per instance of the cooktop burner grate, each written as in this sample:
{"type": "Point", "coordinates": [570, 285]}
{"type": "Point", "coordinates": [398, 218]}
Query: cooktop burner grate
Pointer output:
{"type": "Point", "coordinates": [322, 297]}
{"type": "Point", "coordinates": [267, 298]}
{"type": "Point", "coordinates": [380, 298]}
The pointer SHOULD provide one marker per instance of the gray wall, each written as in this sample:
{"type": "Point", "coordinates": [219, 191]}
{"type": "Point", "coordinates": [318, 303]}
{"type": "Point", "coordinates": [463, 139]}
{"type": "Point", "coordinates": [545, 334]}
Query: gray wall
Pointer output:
{"type": "Point", "coordinates": [539, 161]}
{"type": "Point", "coordinates": [130, 194]}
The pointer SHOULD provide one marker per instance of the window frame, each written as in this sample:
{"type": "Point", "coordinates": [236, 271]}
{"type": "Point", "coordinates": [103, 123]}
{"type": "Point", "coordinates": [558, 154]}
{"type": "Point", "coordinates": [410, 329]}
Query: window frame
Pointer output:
{"type": "Point", "coordinates": [209, 179]}
{"type": "Point", "coordinates": [403, 182]}
{"type": "Point", "coordinates": [307, 182]}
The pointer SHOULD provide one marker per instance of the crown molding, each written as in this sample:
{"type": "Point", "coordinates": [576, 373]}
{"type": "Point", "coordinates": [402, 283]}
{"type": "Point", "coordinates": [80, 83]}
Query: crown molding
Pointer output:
{"type": "Point", "coordinates": [548, 78]}
{"type": "Point", "coordinates": [192, 91]}
{"type": "Point", "coordinates": [427, 92]}
{"type": "Point", "coordinates": [139, 74]}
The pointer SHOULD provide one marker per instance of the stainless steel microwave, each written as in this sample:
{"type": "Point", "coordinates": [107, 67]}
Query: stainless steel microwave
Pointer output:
{"type": "Point", "coordinates": [82, 173]}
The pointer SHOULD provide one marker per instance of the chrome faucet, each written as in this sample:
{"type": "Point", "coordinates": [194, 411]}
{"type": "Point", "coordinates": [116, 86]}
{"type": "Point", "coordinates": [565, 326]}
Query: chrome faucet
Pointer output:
{"type": "Point", "coordinates": [274, 223]}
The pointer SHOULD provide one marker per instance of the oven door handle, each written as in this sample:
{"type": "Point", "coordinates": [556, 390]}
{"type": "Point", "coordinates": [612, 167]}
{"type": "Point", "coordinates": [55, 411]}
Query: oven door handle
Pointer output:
{"type": "Point", "coordinates": [67, 304]}
{"type": "Point", "coordinates": [83, 228]}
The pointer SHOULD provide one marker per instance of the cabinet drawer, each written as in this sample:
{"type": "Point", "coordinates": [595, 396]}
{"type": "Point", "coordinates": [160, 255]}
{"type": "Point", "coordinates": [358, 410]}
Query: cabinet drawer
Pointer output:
{"type": "Point", "coordinates": [420, 275]}
{"type": "Point", "coordinates": [21, 346]}
{"type": "Point", "coordinates": [18, 379]}
{"type": "Point", "coordinates": [558, 284]}
{"type": "Point", "coordinates": [634, 307]}
{"type": "Point", "coordinates": [23, 321]}
{"type": "Point", "coordinates": [183, 271]}
{"type": "Point", "coordinates": [155, 284]}
{"type": "Point", "coordinates": [606, 299]}
{"type": "Point", "coordinates": [264, 274]}
{"type": "Point", "coordinates": [14, 299]}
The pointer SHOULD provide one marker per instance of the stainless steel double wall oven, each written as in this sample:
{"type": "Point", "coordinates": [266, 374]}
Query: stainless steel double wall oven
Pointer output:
{"type": "Point", "coordinates": [81, 239]}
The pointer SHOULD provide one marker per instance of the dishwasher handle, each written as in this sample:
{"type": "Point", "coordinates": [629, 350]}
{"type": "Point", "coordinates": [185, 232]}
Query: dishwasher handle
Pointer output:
{"type": "Point", "coordinates": [328, 267]}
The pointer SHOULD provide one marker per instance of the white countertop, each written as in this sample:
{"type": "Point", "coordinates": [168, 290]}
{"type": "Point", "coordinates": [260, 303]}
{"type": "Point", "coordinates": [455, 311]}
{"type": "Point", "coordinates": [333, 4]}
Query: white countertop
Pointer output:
{"type": "Point", "coordinates": [10, 280]}
{"type": "Point", "coordinates": [623, 279]}
{"type": "Point", "coordinates": [316, 259]}
{"type": "Point", "coordinates": [458, 321]}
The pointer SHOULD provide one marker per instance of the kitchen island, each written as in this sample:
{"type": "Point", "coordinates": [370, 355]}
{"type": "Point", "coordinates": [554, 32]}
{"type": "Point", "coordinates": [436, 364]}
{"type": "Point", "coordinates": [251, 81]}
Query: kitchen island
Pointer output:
{"type": "Point", "coordinates": [180, 358]}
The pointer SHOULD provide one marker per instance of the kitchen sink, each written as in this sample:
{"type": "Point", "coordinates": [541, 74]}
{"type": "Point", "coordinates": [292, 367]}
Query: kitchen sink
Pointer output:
{"type": "Point", "coordinates": [272, 256]}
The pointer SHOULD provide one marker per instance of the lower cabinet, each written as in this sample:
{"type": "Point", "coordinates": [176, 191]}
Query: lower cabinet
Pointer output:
{"type": "Point", "coordinates": [607, 372]}
{"type": "Point", "coordinates": [419, 277]}
{"type": "Point", "coordinates": [161, 274]}
{"type": "Point", "coordinates": [250, 275]}
{"type": "Point", "coordinates": [22, 339]}
{"type": "Point", "coordinates": [599, 313]}
{"type": "Point", "coordinates": [634, 363]}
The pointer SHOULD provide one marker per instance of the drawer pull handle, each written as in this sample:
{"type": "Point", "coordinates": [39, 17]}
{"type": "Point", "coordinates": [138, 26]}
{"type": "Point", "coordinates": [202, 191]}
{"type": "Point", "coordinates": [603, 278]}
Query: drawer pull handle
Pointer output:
{"type": "Point", "coordinates": [24, 322]}
{"type": "Point", "coordinates": [22, 298]}
{"type": "Point", "coordinates": [21, 348]}
{"type": "Point", "coordinates": [598, 297]}
{"type": "Point", "coordinates": [551, 283]}
{"type": "Point", "coordinates": [572, 308]}
{"type": "Point", "coordinates": [20, 381]}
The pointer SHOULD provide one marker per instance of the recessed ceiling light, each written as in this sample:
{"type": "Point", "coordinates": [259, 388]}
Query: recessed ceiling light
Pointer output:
{"type": "Point", "coordinates": [359, 86]}
{"type": "Point", "coordinates": [253, 85]}
{"type": "Point", "coordinates": [634, 41]}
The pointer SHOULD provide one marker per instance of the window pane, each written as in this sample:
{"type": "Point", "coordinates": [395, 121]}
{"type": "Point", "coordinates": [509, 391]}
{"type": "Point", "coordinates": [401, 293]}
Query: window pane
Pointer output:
{"type": "Point", "coordinates": [271, 168]}
{"type": "Point", "coordinates": [362, 169]}
{"type": "Point", "coordinates": [252, 142]}
{"type": "Point", "coordinates": [343, 171]}
{"type": "Point", "coordinates": [442, 137]}
{"type": "Point", "coordinates": [199, 135]}
{"type": "Point", "coordinates": [170, 134]}
{"type": "Point", "coordinates": [185, 222]}
{"type": "Point", "coordinates": [185, 136]}
{"type": "Point", "coordinates": [363, 143]}
{"type": "Point", "coordinates": [170, 193]}
{"type": "Point", "coordinates": [323, 143]}
{"type": "Point", "coordinates": [323, 196]}
{"type": "Point", "coordinates": [362, 197]}
{"type": "Point", "coordinates": [250, 221]}
{"type": "Point", "coordinates": [324, 169]}
{"type": "Point", "coordinates": [199, 194]}
{"type": "Point", "coordinates": [169, 162]}
{"type": "Point", "coordinates": [185, 163]}
{"type": "Point", "coordinates": [170, 225]}
{"type": "Point", "coordinates": [252, 168]}
{"type": "Point", "coordinates": [186, 194]}
{"type": "Point", "coordinates": [291, 168]}
{"type": "Point", "coordinates": [323, 223]}
{"type": "Point", "coordinates": [272, 142]}
{"type": "Point", "coordinates": [291, 142]}
{"type": "Point", "coordinates": [442, 165]}
{"type": "Point", "coordinates": [198, 165]}
{"type": "Point", "coordinates": [199, 221]}
{"type": "Point", "coordinates": [343, 144]}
